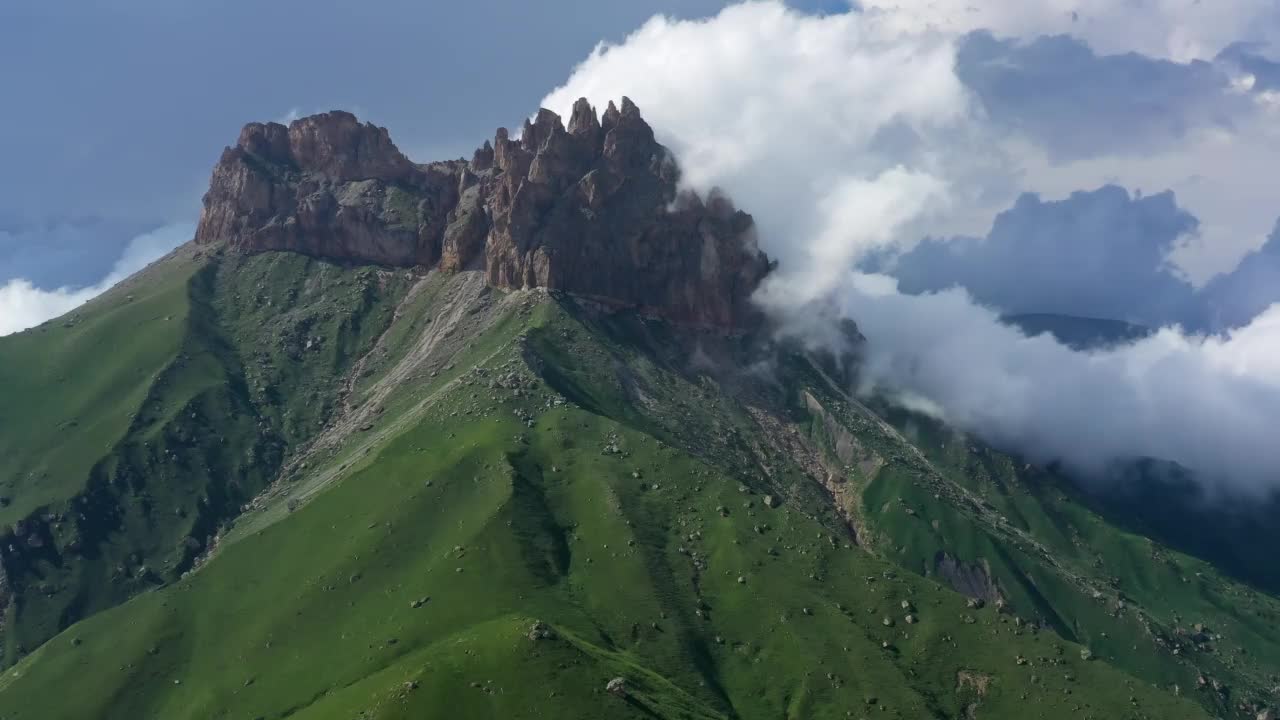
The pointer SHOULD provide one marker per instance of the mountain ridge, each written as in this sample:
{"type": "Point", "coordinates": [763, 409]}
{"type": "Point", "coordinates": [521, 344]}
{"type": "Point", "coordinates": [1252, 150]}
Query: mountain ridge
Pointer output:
{"type": "Point", "coordinates": [594, 209]}
{"type": "Point", "coordinates": [458, 550]}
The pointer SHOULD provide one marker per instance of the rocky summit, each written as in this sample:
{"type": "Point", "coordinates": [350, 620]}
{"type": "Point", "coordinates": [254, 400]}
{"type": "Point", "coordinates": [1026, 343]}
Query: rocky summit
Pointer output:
{"type": "Point", "coordinates": [594, 209]}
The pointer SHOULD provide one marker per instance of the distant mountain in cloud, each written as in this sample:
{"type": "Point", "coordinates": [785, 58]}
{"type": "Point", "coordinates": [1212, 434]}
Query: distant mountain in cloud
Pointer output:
{"type": "Point", "coordinates": [1096, 254]}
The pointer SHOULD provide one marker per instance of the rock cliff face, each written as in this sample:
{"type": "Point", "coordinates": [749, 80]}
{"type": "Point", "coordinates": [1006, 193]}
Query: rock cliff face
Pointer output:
{"type": "Point", "coordinates": [592, 209]}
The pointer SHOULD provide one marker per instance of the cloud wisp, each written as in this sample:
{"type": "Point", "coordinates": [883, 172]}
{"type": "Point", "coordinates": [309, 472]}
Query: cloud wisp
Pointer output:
{"type": "Point", "coordinates": [854, 135]}
{"type": "Point", "coordinates": [24, 305]}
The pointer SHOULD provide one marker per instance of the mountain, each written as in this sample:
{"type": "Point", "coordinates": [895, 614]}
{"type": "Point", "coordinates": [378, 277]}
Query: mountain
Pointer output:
{"type": "Point", "coordinates": [575, 210]}
{"type": "Point", "coordinates": [505, 438]}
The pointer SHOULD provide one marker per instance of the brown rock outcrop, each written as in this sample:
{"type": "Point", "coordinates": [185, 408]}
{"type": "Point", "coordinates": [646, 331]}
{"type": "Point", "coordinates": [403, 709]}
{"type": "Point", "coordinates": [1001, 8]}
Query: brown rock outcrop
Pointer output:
{"type": "Point", "coordinates": [592, 210]}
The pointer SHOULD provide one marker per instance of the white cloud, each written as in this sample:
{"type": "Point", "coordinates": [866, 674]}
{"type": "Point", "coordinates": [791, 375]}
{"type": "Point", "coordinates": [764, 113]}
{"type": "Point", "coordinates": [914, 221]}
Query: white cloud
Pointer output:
{"type": "Point", "coordinates": [893, 198]}
{"type": "Point", "coordinates": [761, 91]}
{"type": "Point", "coordinates": [1224, 177]}
{"type": "Point", "coordinates": [847, 133]}
{"type": "Point", "coordinates": [1176, 29]}
{"type": "Point", "coordinates": [23, 305]}
{"type": "Point", "coordinates": [1208, 403]}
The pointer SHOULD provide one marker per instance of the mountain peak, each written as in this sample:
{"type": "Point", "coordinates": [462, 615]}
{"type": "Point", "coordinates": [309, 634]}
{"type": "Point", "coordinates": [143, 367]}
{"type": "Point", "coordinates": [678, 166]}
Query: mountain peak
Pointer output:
{"type": "Point", "coordinates": [584, 120]}
{"type": "Point", "coordinates": [266, 140]}
{"type": "Point", "coordinates": [334, 144]}
{"type": "Point", "coordinates": [594, 210]}
{"type": "Point", "coordinates": [544, 126]}
{"type": "Point", "coordinates": [338, 145]}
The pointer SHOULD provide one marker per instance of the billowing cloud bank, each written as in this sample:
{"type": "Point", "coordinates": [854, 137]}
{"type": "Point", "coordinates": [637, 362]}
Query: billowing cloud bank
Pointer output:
{"type": "Point", "coordinates": [23, 305]}
{"type": "Point", "coordinates": [853, 136]}
{"type": "Point", "coordinates": [1176, 29]}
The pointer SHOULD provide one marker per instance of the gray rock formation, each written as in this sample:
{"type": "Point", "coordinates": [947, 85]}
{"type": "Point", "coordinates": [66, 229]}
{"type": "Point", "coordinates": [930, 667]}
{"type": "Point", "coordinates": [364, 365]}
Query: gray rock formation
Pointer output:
{"type": "Point", "coordinates": [593, 209]}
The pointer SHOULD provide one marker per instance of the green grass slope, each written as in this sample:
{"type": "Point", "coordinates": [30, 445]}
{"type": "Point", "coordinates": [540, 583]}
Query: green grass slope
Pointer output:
{"type": "Point", "coordinates": [1169, 618]}
{"type": "Point", "coordinates": [515, 501]}
{"type": "Point", "coordinates": [146, 419]}
{"type": "Point", "coordinates": [632, 581]}
{"type": "Point", "coordinates": [72, 385]}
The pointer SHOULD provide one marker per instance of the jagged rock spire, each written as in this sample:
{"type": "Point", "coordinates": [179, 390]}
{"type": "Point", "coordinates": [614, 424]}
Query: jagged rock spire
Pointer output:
{"type": "Point", "coordinates": [545, 125]}
{"type": "Point", "coordinates": [583, 121]}
{"type": "Point", "coordinates": [610, 118]}
{"type": "Point", "coordinates": [482, 159]}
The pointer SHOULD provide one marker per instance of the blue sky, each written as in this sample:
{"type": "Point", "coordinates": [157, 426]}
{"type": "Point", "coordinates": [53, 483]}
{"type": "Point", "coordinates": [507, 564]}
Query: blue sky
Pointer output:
{"type": "Point", "coordinates": [116, 111]}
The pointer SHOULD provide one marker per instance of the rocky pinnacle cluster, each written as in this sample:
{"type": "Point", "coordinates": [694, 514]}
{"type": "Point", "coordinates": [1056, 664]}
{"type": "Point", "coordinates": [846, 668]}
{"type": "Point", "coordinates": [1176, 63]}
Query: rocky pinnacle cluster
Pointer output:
{"type": "Point", "coordinates": [594, 209]}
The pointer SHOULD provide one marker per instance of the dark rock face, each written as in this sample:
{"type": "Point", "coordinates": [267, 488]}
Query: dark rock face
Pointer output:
{"type": "Point", "coordinates": [327, 186]}
{"type": "Point", "coordinates": [591, 210]}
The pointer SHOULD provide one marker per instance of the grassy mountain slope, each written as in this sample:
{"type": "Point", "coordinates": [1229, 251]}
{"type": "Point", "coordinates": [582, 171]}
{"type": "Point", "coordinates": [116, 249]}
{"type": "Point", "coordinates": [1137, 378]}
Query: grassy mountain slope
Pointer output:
{"type": "Point", "coordinates": [491, 500]}
{"type": "Point", "coordinates": [72, 385]}
{"type": "Point", "coordinates": [489, 504]}
{"type": "Point", "coordinates": [1169, 618]}
{"type": "Point", "coordinates": [147, 418]}
{"type": "Point", "coordinates": [1162, 500]}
